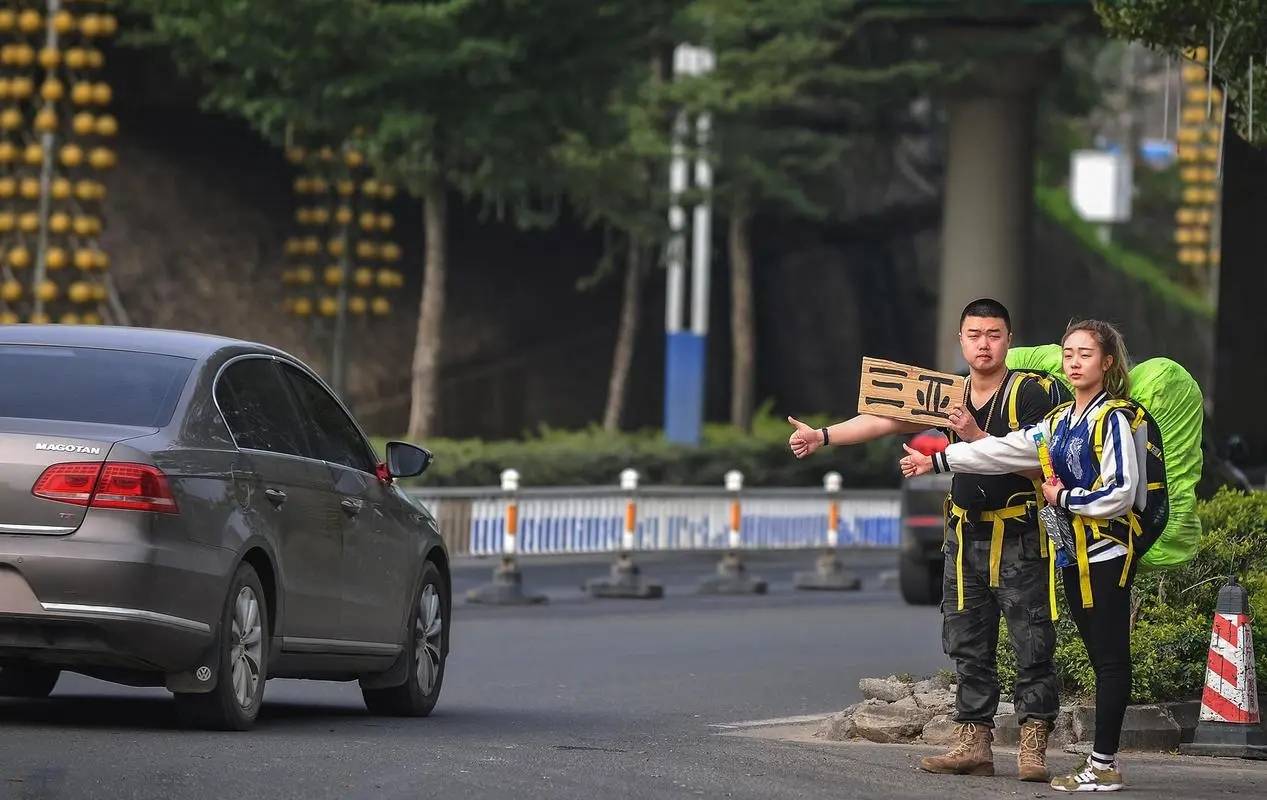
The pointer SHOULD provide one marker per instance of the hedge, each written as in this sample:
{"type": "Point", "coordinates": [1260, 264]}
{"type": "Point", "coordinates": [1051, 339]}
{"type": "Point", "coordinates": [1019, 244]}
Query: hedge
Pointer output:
{"type": "Point", "coordinates": [594, 457]}
{"type": "Point", "coordinates": [1171, 633]}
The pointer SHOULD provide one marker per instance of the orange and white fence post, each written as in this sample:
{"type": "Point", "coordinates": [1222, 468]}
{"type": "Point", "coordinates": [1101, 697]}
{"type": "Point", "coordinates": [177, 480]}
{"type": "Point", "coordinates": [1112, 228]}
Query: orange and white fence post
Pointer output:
{"type": "Point", "coordinates": [506, 588]}
{"type": "Point", "coordinates": [732, 576]}
{"type": "Point", "coordinates": [625, 579]}
{"type": "Point", "coordinates": [1230, 725]}
{"type": "Point", "coordinates": [829, 573]}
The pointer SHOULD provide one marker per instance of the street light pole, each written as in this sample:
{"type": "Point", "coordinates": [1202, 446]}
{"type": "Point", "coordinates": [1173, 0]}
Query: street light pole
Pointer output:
{"type": "Point", "coordinates": [47, 141]}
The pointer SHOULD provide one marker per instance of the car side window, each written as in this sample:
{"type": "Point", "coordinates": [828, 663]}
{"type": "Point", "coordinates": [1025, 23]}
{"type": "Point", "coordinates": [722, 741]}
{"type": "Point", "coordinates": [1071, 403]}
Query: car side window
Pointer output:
{"type": "Point", "coordinates": [258, 410]}
{"type": "Point", "coordinates": [337, 438]}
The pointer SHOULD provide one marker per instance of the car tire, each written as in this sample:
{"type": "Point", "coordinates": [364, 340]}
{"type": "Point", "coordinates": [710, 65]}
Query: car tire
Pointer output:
{"type": "Point", "coordinates": [242, 645]}
{"type": "Point", "coordinates": [28, 682]}
{"type": "Point", "coordinates": [919, 581]}
{"type": "Point", "coordinates": [428, 639]}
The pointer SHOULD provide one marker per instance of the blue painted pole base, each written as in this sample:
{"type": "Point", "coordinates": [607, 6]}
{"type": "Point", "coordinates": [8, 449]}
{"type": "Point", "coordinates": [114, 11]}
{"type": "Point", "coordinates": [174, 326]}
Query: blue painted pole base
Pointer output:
{"type": "Point", "coordinates": [684, 387]}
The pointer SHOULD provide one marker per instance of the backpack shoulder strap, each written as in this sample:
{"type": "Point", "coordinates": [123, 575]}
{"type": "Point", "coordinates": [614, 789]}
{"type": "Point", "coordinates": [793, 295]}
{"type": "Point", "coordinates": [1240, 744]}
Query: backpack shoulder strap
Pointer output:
{"type": "Point", "coordinates": [1135, 418]}
{"type": "Point", "coordinates": [1055, 413]}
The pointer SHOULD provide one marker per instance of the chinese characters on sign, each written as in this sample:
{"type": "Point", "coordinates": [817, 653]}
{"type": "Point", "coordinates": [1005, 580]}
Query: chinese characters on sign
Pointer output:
{"type": "Point", "coordinates": [912, 394]}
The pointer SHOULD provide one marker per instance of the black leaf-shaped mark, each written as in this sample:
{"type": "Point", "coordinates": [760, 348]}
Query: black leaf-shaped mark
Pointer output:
{"type": "Point", "coordinates": [919, 395]}
{"type": "Point", "coordinates": [945, 401]}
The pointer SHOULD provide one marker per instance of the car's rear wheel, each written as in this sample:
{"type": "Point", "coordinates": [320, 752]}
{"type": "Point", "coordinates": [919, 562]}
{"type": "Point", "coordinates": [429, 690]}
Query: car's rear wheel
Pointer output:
{"type": "Point", "coordinates": [242, 649]}
{"type": "Point", "coordinates": [425, 653]}
{"type": "Point", "coordinates": [29, 682]}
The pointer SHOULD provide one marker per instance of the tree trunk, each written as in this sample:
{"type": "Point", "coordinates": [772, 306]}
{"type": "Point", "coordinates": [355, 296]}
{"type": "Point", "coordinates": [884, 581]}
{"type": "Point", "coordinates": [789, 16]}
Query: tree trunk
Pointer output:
{"type": "Point", "coordinates": [742, 321]}
{"type": "Point", "coordinates": [626, 334]}
{"type": "Point", "coordinates": [1239, 387]}
{"type": "Point", "coordinates": [424, 385]}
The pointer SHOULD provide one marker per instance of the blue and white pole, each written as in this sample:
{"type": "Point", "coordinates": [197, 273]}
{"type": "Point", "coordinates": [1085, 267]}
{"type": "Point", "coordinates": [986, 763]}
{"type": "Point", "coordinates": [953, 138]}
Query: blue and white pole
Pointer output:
{"type": "Point", "coordinates": [685, 349]}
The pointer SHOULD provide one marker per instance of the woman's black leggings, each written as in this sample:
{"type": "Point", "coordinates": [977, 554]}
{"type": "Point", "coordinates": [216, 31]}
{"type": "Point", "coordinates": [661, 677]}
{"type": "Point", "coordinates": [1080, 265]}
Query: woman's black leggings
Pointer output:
{"type": "Point", "coordinates": [1106, 631]}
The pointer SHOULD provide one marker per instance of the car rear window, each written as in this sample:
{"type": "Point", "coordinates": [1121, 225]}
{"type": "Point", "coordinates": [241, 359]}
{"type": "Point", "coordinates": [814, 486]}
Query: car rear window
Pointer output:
{"type": "Point", "coordinates": [83, 384]}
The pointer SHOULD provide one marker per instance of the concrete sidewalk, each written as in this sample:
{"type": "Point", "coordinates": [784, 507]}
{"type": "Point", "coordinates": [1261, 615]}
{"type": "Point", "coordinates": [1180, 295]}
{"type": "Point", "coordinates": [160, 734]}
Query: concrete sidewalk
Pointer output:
{"type": "Point", "coordinates": [864, 769]}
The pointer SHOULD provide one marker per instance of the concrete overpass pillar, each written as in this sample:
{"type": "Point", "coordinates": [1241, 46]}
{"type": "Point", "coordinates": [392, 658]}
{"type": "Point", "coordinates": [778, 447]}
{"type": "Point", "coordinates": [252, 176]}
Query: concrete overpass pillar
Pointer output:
{"type": "Point", "coordinates": [988, 201]}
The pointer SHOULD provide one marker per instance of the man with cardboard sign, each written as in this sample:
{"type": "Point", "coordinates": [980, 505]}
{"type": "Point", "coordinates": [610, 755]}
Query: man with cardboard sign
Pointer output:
{"type": "Point", "coordinates": [997, 562]}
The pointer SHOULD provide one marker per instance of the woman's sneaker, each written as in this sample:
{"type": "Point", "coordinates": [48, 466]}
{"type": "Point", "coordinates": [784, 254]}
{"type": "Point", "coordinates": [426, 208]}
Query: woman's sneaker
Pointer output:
{"type": "Point", "coordinates": [1091, 779]}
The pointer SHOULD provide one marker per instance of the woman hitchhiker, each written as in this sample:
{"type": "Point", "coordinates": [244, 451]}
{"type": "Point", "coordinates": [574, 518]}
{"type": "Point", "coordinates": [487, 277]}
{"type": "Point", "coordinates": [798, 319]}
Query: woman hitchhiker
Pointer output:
{"type": "Point", "coordinates": [1100, 488]}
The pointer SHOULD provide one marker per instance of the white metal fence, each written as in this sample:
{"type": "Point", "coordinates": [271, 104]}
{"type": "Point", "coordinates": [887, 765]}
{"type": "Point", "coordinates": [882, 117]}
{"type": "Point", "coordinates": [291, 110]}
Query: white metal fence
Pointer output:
{"type": "Point", "coordinates": [593, 519]}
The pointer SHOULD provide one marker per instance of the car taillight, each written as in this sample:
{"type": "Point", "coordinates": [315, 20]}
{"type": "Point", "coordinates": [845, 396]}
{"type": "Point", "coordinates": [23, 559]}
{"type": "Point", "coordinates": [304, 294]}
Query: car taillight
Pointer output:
{"type": "Point", "coordinates": [68, 483]}
{"type": "Point", "coordinates": [114, 484]}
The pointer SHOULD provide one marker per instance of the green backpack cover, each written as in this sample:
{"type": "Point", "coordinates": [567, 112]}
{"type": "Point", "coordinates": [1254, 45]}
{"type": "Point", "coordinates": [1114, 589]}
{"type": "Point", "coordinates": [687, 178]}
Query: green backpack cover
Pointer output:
{"type": "Point", "coordinates": [1171, 396]}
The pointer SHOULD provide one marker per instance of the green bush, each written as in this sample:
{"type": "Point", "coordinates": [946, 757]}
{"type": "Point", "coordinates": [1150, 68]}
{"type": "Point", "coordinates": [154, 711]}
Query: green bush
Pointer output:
{"type": "Point", "coordinates": [1171, 634]}
{"type": "Point", "coordinates": [593, 457]}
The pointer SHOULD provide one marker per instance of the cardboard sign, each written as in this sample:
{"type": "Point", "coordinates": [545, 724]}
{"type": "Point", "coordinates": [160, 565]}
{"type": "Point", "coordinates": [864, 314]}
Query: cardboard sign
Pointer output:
{"type": "Point", "coordinates": [911, 394]}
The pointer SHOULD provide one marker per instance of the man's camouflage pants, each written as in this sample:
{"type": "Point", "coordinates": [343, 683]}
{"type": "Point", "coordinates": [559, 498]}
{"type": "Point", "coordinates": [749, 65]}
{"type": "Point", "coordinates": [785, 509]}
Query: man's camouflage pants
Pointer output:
{"type": "Point", "coordinates": [970, 635]}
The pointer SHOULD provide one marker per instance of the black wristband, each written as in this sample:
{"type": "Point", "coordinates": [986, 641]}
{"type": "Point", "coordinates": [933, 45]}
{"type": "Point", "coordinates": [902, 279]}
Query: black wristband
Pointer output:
{"type": "Point", "coordinates": [826, 438]}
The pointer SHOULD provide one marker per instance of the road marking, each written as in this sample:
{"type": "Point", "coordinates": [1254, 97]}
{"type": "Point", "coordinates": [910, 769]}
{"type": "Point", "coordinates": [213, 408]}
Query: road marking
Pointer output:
{"type": "Point", "coordinates": [771, 723]}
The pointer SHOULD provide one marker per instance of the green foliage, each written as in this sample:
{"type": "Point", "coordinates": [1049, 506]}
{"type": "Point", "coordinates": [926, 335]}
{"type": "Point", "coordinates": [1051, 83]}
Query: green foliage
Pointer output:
{"type": "Point", "coordinates": [1054, 203]}
{"type": "Point", "coordinates": [591, 457]}
{"type": "Point", "coordinates": [448, 92]}
{"type": "Point", "coordinates": [1171, 635]}
{"type": "Point", "coordinates": [1239, 30]}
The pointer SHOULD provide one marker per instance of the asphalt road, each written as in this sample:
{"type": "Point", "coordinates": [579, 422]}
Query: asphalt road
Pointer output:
{"type": "Point", "coordinates": [575, 699]}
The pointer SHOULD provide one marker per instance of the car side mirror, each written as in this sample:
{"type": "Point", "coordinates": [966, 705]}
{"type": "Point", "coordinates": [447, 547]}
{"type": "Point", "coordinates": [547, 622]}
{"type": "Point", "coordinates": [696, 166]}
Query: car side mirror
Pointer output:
{"type": "Point", "coordinates": [405, 460]}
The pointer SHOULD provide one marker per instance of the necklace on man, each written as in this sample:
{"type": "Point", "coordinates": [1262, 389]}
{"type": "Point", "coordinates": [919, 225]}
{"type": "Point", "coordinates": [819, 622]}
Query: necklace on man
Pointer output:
{"type": "Point", "coordinates": [992, 402]}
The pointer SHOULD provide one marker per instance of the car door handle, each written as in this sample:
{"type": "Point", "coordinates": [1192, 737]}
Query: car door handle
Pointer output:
{"type": "Point", "coordinates": [352, 507]}
{"type": "Point", "coordinates": [275, 496]}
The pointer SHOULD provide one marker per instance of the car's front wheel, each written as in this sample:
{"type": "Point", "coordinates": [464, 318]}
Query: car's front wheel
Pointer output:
{"type": "Point", "coordinates": [242, 649]}
{"type": "Point", "coordinates": [425, 654]}
{"type": "Point", "coordinates": [28, 682]}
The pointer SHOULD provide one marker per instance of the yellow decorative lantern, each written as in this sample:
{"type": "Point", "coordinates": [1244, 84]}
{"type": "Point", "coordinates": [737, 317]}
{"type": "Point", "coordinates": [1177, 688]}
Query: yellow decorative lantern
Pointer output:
{"type": "Point", "coordinates": [47, 291]}
{"type": "Point", "coordinates": [29, 222]}
{"type": "Point", "coordinates": [33, 154]}
{"type": "Point", "coordinates": [357, 304]}
{"type": "Point", "coordinates": [381, 306]}
{"type": "Point", "coordinates": [30, 21]}
{"type": "Point", "coordinates": [59, 222]}
{"type": "Point", "coordinates": [49, 58]}
{"type": "Point", "coordinates": [72, 155]}
{"type": "Point", "coordinates": [333, 275]}
{"type": "Point", "coordinates": [52, 90]}
{"type": "Point", "coordinates": [302, 307]}
{"type": "Point", "coordinates": [84, 259]}
{"type": "Point", "coordinates": [81, 292]}
{"type": "Point", "coordinates": [46, 120]}
{"type": "Point", "coordinates": [11, 119]}
{"type": "Point", "coordinates": [364, 277]}
{"type": "Point", "coordinates": [19, 257]}
{"type": "Point", "coordinates": [329, 306]}
{"type": "Point", "coordinates": [101, 94]}
{"type": "Point", "coordinates": [21, 88]}
{"type": "Point", "coordinates": [55, 258]}
{"type": "Point", "coordinates": [64, 22]}
{"type": "Point", "coordinates": [90, 317]}
{"type": "Point", "coordinates": [11, 291]}
{"type": "Point", "coordinates": [107, 125]}
{"type": "Point", "coordinates": [29, 188]}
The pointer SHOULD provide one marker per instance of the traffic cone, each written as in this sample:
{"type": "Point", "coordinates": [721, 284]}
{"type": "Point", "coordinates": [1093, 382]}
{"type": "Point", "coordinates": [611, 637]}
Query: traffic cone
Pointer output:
{"type": "Point", "coordinates": [1230, 725]}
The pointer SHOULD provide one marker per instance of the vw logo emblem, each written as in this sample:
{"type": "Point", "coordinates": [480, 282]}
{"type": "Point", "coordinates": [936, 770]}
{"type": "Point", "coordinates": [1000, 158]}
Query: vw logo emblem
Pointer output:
{"type": "Point", "coordinates": [203, 674]}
